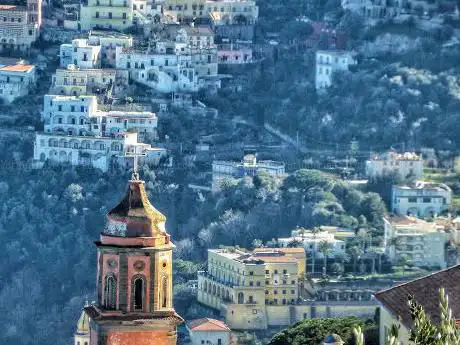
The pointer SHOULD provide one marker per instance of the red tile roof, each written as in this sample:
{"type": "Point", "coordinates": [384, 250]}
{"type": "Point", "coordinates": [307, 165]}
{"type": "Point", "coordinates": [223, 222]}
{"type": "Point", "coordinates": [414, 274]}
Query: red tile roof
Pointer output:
{"type": "Point", "coordinates": [426, 292]}
{"type": "Point", "coordinates": [206, 325]}
{"type": "Point", "coordinates": [17, 68]}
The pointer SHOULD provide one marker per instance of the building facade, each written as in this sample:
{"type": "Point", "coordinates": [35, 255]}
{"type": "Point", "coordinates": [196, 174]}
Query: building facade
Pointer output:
{"type": "Point", "coordinates": [232, 55]}
{"type": "Point", "coordinates": [77, 133]}
{"type": "Point", "coordinates": [134, 276]}
{"type": "Point", "coordinates": [209, 332]}
{"type": "Point", "coordinates": [421, 199]}
{"type": "Point", "coordinates": [415, 241]}
{"type": "Point", "coordinates": [375, 11]}
{"type": "Point", "coordinates": [108, 41]}
{"type": "Point", "coordinates": [106, 14]}
{"type": "Point", "coordinates": [328, 62]}
{"type": "Point", "coordinates": [222, 170]}
{"type": "Point", "coordinates": [16, 80]}
{"type": "Point", "coordinates": [80, 53]}
{"type": "Point", "coordinates": [312, 243]}
{"type": "Point", "coordinates": [73, 81]}
{"type": "Point", "coordinates": [20, 25]}
{"type": "Point", "coordinates": [407, 165]}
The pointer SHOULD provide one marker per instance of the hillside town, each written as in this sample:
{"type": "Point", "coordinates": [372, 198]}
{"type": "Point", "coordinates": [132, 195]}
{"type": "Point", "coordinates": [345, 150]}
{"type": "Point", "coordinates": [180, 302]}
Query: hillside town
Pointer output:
{"type": "Point", "coordinates": [292, 172]}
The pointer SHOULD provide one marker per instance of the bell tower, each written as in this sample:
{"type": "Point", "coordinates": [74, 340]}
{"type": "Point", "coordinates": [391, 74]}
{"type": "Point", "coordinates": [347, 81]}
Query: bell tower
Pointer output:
{"type": "Point", "coordinates": [134, 276]}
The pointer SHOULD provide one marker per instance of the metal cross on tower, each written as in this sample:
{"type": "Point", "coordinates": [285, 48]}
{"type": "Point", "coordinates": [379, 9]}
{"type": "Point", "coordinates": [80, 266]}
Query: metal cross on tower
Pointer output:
{"type": "Point", "coordinates": [132, 153]}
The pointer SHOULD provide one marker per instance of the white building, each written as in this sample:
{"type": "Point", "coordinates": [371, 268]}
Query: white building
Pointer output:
{"type": "Point", "coordinates": [78, 133]}
{"type": "Point", "coordinates": [407, 165]}
{"type": "Point", "coordinates": [328, 62]}
{"type": "Point", "coordinates": [208, 332]}
{"type": "Point", "coordinates": [311, 243]}
{"type": "Point", "coordinates": [80, 53]}
{"type": "Point", "coordinates": [108, 41]}
{"type": "Point", "coordinates": [163, 72]}
{"type": "Point", "coordinates": [73, 81]}
{"type": "Point", "coordinates": [16, 80]}
{"type": "Point", "coordinates": [421, 199]}
{"type": "Point", "coordinates": [248, 167]}
{"type": "Point", "coordinates": [415, 241]}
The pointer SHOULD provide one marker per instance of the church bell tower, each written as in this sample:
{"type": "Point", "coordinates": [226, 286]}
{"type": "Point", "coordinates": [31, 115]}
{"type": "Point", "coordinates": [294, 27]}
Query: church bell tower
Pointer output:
{"type": "Point", "coordinates": [134, 276]}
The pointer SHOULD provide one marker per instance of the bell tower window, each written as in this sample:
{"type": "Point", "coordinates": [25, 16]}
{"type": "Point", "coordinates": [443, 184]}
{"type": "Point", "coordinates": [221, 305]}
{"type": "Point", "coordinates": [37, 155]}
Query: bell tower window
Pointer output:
{"type": "Point", "coordinates": [164, 290]}
{"type": "Point", "coordinates": [110, 293]}
{"type": "Point", "coordinates": [138, 296]}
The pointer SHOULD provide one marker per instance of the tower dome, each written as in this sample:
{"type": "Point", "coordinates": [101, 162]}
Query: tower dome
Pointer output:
{"type": "Point", "coordinates": [135, 219]}
{"type": "Point", "coordinates": [81, 335]}
{"type": "Point", "coordinates": [333, 339]}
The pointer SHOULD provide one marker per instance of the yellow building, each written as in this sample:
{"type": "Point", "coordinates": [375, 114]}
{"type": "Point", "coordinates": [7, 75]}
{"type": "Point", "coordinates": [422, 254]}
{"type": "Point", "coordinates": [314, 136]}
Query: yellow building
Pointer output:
{"type": "Point", "coordinates": [219, 12]}
{"type": "Point", "coordinates": [242, 284]}
{"type": "Point", "coordinates": [107, 14]}
{"type": "Point", "coordinates": [393, 302]}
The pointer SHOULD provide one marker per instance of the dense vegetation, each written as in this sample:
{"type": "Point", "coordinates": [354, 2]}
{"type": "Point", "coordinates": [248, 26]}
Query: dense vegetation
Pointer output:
{"type": "Point", "coordinates": [314, 331]}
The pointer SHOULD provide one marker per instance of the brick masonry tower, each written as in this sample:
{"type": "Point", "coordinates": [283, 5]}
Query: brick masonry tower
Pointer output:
{"type": "Point", "coordinates": [134, 276]}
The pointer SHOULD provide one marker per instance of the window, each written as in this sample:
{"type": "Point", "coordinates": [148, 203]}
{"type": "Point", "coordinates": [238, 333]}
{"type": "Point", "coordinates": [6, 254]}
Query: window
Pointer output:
{"type": "Point", "coordinates": [266, 292]}
{"type": "Point", "coordinates": [110, 15]}
{"type": "Point", "coordinates": [219, 341]}
{"type": "Point", "coordinates": [292, 281]}
{"type": "Point", "coordinates": [284, 282]}
{"type": "Point", "coordinates": [110, 292]}
{"type": "Point", "coordinates": [275, 292]}
{"type": "Point", "coordinates": [72, 108]}
{"type": "Point", "coordinates": [258, 283]}
{"type": "Point", "coordinates": [426, 200]}
{"type": "Point", "coordinates": [124, 15]}
{"type": "Point", "coordinates": [267, 281]}
{"type": "Point", "coordinates": [59, 107]}
{"type": "Point", "coordinates": [97, 14]}
{"type": "Point", "coordinates": [284, 300]}
{"type": "Point", "coordinates": [284, 271]}
{"type": "Point", "coordinates": [276, 272]}
{"type": "Point", "coordinates": [202, 341]}
{"type": "Point", "coordinates": [251, 273]}
{"type": "Point", "coordinates": [267, 272]}
{"type": "Point", "coordinates": [82, 109]}
{"type": "Point", "coordinates": [412, 200]}
{"type": "Point", "coordinates": [251, 283]}
{"type": "Point", "coordinates": [138, 289]}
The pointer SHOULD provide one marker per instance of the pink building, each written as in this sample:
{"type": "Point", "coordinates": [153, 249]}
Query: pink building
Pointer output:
{"type": "Point", "coordinates": [234, 55]}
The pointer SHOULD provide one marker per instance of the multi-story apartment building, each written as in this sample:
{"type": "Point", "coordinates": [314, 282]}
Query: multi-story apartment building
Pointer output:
{"type": "Point", "coordinates": [415, 241]}
{"type": "Point", "coordinates": [80, 53]}
{"type": "Point", "coordinates": [328, 62]}
{"type": "Point", "coordinates": [222, 170]}
{"type": "Point", "coordinates": [16, 80]}
{"type": "Point", "coordinates": [226, 11]}
{"type": "Point", "coordinates": [107, 14]}
{"type": "Point", "coordinates": [407, 165]}
{"type": "Point", "coordinates": [108, 41]}
{"type": "Point", "coordinates": [73, 81]}
{"type": "Point", "coordinates": [20, 25]}
{"type": "Point", "coordinates": [242, 284]}
{"type": "Point", "coordinates": [421, 199]}
{"type": "Point", "coordinates": [78, 133]}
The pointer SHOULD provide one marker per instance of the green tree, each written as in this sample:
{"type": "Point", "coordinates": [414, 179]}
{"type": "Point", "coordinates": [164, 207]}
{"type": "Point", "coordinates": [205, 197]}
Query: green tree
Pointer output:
{"type": "Point", "coordinates": [325, 248]}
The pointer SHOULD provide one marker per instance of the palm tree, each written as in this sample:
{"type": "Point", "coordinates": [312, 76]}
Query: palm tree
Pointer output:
{"type": "Point", "coordinates": [325, 247]}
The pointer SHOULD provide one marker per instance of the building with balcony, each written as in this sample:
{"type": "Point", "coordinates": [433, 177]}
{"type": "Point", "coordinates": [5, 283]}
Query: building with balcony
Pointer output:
{"type": "Point", "coordinates": [80, 53]}
{"type": "Point", "coordinates": [107, 14]}
{"type": "Point", "coordinates": [20, 25]}
{"type": "Point", "coordinates": [16, 79]}
{"type": "Point", "coordinates": [421, 199]}
{"type": "Point", "coordinates": [242, 283]}
{"type": "Point", "coordinates": [328, 62]}
{"type": "Point", "coordinates": [408, 165]}
{"type": "Point", "coordinates": [250, 166]}
{"type": "Point", "coordinates": [409, 240]}
{"type": "Point", "coordinates": [77, 132]}
{"type": "Point", "coordinates": [72, 81]}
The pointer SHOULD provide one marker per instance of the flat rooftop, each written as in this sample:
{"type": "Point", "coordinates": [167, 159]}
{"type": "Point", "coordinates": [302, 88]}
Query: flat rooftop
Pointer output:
{"type": "Point", "coordinates": [20, 68]}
